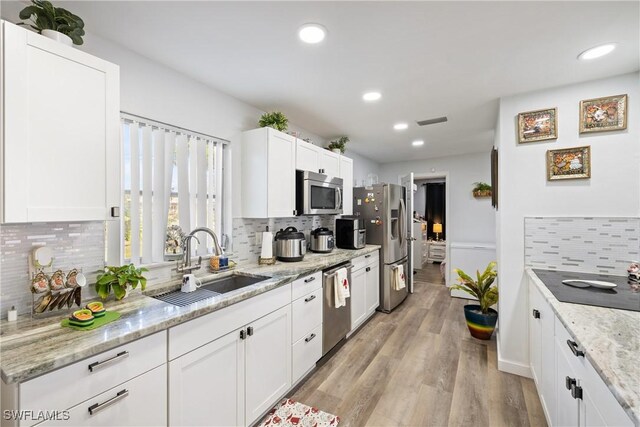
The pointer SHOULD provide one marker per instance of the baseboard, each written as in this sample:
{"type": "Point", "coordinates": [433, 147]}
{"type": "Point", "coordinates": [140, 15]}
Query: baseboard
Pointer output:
{"type": "Point", "coordinates": [509, 366]}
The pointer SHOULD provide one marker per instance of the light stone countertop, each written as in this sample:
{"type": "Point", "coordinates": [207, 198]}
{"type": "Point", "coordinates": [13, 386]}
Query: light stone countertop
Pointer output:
{"type": "Point", "coordinates": [611, 339]}
{"type": "Point", "coordinates": [33, 347]}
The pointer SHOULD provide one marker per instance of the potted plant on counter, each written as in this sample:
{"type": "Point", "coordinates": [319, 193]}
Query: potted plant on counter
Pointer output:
{"type": "Point", "coordinates": [481, 319]}
{"type": "Point", "coordinates": [53, 22]}
{"type": "Point", "coordinates": [120, 280]}
{"type": "Point", "coordinates": [481, 189]}
{"type": "Point", "coordinates": [338, 146]}
{"type": "Point", "coordinates": [275, 120]}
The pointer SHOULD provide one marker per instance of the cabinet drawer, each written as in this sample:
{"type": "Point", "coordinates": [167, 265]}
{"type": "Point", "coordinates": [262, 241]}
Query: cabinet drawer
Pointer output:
{"type": "Point", "coordinates": [68, 386]}
{"type": "Point", "coordinates": [304, 285]}
{"type": "Point", "coordinates": [306, 314]}
{"type": "Point", "coordinates": [437, 249]}
{"type": "Point", "coordinates": [364, 260]}
{"type": "Point", "coordinates": [306, 352]}
{"type": "Point", "coordinates": [141, 401]}
{"type": "Point", "coordinates": [577, 363]}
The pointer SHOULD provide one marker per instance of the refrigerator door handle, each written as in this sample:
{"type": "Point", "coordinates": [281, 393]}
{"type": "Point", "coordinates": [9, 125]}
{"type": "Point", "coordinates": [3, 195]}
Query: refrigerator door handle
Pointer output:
{"type": "Point", "coordinates": [402, 223]}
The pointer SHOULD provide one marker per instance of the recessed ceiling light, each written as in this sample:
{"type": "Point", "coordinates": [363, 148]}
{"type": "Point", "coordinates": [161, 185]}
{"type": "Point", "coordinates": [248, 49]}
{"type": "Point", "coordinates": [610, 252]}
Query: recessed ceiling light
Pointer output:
{"type": "Point", "coordinates": [598, 51]}
{"type": "Point", "coordinates": [417, 143]}
{"type": "Point", "coordinates": [312, 33]}
{"type": "Point", "coordinates": [371, 96]}
{"type": "Point", "coordinates": [400, 126]}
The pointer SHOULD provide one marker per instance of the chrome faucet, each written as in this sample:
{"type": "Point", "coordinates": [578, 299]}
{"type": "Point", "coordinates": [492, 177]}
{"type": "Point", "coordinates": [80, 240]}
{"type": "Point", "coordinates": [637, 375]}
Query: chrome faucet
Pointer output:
{"type": "Point", "coordinates": [186, 266]}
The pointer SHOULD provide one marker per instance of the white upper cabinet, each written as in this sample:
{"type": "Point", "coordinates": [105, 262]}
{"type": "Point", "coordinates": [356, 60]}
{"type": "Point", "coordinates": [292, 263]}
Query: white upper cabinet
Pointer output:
{"type": "Point", "coordinates": [268, 174]}
{"type": "Point", "coordinates": [329, 163]}
{"type": "Point", "coordinates": [61, 139]}
{"type": "Point", "coordinates": [312, 158]}
{"type": "Point", "coordinates": [346, 173]}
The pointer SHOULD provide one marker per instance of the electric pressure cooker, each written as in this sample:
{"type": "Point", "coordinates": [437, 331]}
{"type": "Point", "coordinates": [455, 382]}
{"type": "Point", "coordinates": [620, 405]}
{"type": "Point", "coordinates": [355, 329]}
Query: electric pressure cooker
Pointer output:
{"type": "Point", "coordinates": [321, 240]}
{"type": "Point", "coordinates": [290, 245]}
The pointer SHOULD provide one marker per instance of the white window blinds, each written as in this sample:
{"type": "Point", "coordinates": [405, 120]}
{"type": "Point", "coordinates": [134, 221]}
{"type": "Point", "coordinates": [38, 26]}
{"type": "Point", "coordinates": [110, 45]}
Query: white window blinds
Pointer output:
{"type": "Point", "coordinates": [171, 177]}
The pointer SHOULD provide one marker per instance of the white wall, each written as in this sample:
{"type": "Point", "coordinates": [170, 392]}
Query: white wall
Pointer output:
{"type": "Point", "coordinates": [362, 166]}
{"type": "Point", "coordinates": [613, 190]}
{"type": "Point", "coordinates": [470, 220]}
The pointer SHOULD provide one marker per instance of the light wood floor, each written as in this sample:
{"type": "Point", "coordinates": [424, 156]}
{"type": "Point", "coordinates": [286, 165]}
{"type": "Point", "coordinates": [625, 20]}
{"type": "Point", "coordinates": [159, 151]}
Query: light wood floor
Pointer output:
{"type": "Point", "coordinates": [419, 366]}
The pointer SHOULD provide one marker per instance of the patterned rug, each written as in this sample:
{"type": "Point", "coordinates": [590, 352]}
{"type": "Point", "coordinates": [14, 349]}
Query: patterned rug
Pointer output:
{"type": "Point", "coordinates": [291, 413]}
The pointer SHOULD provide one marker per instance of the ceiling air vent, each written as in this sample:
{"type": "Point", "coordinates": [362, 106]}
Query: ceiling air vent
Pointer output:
{"type": "Point", "coordinates": [432, 121]}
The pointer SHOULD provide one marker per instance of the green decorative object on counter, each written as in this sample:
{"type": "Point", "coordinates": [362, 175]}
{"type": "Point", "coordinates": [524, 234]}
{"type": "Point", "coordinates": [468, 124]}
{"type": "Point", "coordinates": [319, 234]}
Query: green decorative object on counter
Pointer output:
{"type": "Point", "coordinates": [44, 16]}
{"type": "Point", "coordinates": [481, 319]}
{"type": "Point", "coordinates": [481, 189]}
{"type": "Point", "coordinates": [119, 279]}
{"type": "Point", "coordinates": [275, 120]}
{"type": "Point", "coordinates": [339, 144]}
{"type": "Point", "coordinates": [109, 316]}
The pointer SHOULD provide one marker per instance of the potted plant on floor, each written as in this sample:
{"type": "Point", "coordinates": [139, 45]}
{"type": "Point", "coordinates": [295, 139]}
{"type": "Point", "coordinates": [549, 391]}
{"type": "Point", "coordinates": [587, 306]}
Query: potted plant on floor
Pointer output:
{"type": "Point", "coordinates": [481, 189]}
{"type": "Point", "coordinates": [53, 22]}
{"type": "Point", "coordinates": [275, 120]}
{"type": "Point", "coordinates": [338, 146]}
{"type": "Point", "coordinates": [120, 280]}
{"type": "Point", "coordinates": [481, 319]}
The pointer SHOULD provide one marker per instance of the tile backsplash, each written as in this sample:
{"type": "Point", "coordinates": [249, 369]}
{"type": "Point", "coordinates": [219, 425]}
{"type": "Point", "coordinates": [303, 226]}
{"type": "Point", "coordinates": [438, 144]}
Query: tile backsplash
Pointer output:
{"type": "Point", "coordinates": [245, 230]}
{"type": "Point", "coordinates": [75, 245]}
{"type": "Point", "coordinates": [584, 244]}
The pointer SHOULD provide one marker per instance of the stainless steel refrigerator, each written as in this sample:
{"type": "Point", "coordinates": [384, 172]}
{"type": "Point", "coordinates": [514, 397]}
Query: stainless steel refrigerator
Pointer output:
{"type": "Point", "coordinates": [383, 207]}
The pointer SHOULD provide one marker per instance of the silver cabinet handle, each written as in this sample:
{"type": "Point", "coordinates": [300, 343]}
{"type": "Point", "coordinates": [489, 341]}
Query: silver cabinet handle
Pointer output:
{"type": "Point", "coordinates": [311, 298]}
{"type": "Point", "coordinates": [94, 409]}
{"type": "Point", "coordinates": [310, 279]}
{"type": "Point", "coordinates": [310, 337]}
{"type": "Point", "coordinates": [101, 364]}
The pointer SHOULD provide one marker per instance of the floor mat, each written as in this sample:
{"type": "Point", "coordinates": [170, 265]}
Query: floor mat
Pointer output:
{"type": "Point", "coordinates": [292, 413]}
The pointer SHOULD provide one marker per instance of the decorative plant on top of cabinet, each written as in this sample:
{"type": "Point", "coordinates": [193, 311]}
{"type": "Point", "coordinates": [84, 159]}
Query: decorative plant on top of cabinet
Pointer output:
{"type": "Point", "coordinates": [481, 319]}
{"type": "Point", "coordinates": [120, 280]}
{"type": "Point", "coordinates": [53, 22]}
{"type": "Point", "coordinates": [339, 145]}
{"type": "Point", "coordinates": [275, 119]}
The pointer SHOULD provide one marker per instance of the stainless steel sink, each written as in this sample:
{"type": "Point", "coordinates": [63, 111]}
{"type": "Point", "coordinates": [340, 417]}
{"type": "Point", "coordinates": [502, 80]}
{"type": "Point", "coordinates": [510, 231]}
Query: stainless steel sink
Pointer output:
{"type": "Point", "coordinates": [209, 289]}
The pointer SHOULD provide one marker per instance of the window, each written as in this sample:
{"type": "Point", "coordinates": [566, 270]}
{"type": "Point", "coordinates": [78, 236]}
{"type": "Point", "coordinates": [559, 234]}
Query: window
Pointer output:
{"type": "Point", "coordinates": [171, 177]}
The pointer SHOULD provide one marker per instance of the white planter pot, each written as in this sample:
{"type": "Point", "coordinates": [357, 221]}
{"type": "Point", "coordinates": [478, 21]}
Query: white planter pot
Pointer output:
{"type": "Point", "coordinates": [57, 36]}
{"type": "Point", "coordinates": [336, 150]}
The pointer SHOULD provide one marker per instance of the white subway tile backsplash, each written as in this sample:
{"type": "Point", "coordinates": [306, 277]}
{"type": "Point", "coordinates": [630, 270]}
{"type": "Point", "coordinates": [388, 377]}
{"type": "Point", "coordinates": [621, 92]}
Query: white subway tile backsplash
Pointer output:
{"type": "Point", "coordinates": [585, 244]}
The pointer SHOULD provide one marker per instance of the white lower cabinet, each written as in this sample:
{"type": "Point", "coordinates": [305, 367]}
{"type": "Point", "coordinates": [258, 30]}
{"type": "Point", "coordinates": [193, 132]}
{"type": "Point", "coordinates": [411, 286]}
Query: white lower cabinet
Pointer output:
{"type": "Point", "coordinates": [372, 295]}
{"type": "Point", "coordinates": [306, 352]}
{"type": "Point", "coordinates": [358, 297]}
{"type": "Point", "coordinates": [306, 328]}
{"type": "Point", "coordinates": [141, 401]}
{"type": "Point", "coordinates": [572, 393]}
{"type": "Point", "coordinates": [365, 288]}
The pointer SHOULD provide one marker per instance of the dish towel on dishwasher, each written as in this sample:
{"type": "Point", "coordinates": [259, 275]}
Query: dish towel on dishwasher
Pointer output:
{"type": "Point", "coordinates": [398, 277]}
{"type": "Point", "coordinates": [341, 287]}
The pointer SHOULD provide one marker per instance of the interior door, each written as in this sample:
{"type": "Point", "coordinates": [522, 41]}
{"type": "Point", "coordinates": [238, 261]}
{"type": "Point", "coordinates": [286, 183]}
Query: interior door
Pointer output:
{"type": "Point", "coordinates": [407, 182]}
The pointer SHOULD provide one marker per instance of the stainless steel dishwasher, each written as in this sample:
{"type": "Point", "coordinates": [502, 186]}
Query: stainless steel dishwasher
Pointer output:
{"type": "Point", "coordinates": [336, 322]}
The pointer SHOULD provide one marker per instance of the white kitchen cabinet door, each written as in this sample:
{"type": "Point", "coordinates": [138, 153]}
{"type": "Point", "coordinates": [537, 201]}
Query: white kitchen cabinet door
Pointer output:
{"type": "Point", "coordinates": [589, 414]}
{"type": "Point", "coordinates": [329, 163]}
{"type": "Point", "coordinates": [307, 156]}
{"type": "Point", "coordinates": [346, 173]}
{"type": "Point", "coordinates": [141, 401]}
{"type": "Point", "coordinates": [373, 286]}
{"type": "Point", "coordinates": [268, 174]}
{"type": "Point", "coordinates": [358, 297]}
{"type": "Point", "coordinates": [267, 362]}
{"type": "Point", "coordinates": [567, 408]}
{"type": "Point", "coordinates": [206, 385]}
{"type": "Point", "coordinates": [61, 142]}
{"type": "Point", "coordinates": [535, 334]}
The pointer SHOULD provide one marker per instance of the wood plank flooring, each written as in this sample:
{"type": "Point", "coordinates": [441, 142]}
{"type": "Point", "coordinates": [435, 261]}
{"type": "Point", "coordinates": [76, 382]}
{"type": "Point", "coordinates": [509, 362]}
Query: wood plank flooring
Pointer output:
{"type": "Point", "coordinates": [418, 366]}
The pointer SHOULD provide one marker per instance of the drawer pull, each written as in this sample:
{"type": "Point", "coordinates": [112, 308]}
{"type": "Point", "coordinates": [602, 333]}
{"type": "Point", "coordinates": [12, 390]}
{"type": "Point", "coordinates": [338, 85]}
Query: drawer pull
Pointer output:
{"type": "Point", "coordinates": [310, 337]}
{"type": "Point", "coordinates": [310, 279]}
{"type": "Point", "coordinates": [311, 298]}
{"type": "Point", "coordinates": [574, 348]}
{"type": "Point", "coordinates": [94, 409]}
{"type": "Point", "coordinates": [368, 269]}
{"type": "Point", "coordinates": [101, 364]}
{"type": "Point", "coordinates": [536, 314]}
{"type": "Point", "coordinates": [368, 256]}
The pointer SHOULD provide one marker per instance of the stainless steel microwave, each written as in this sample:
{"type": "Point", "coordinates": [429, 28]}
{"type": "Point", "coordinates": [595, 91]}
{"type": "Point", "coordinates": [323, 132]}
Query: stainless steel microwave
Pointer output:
{"type": "Point", "coordinates": [318, 194]}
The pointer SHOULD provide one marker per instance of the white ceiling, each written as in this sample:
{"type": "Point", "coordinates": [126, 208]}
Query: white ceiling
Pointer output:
{"type": "Point", "coordinates": [427, 58]}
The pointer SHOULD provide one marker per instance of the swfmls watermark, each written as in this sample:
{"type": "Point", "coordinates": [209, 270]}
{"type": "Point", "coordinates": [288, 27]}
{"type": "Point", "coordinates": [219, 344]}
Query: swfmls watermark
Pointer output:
{"type": "Point", "coordinates": [30, 415]}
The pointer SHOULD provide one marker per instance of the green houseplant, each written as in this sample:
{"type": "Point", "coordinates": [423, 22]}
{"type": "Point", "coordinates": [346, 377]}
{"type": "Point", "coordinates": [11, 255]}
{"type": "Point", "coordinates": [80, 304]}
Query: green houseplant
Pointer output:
{"type": "Point", "coordinates": [481, 319]}
{"type": "Point", "coordinates": [119, 280]}
{"type": "Point", "coordinates": [339, 144]}
{"type": "Point", "coordinates": [481, 189]}
{"type": "Point", "coordinates": [274, 119]}
{"type": "Point", "coordinates": [47, 19]}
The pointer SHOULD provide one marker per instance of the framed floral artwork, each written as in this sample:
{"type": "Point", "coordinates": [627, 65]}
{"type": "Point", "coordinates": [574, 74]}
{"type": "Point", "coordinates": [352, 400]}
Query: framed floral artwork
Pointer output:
{"type": "Point", "coordinates": [603, 114]}
{"type": "Point", "coordinates": [539, 125]}
{"type": "Point", "coordinates": [569, 163]}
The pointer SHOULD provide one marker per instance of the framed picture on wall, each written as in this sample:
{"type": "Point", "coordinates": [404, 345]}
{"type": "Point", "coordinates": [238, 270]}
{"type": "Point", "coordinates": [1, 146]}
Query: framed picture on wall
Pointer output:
{"type": "Point", "coordinates": [569, 163]}
{"type": "Point", "coordinates": [539, 125]}
{"type": "Point", "coordinates": [603, 114]}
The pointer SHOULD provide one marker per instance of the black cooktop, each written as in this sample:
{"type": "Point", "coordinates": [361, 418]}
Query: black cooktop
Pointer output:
{"type": "Point", "coordinates": [623, 297]}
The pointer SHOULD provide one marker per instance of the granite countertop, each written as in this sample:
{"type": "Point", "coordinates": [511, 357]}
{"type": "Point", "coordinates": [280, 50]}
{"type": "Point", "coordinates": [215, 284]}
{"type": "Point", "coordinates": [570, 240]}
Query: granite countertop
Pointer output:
{"type": "Point", "coordinates": [611, 339]}
{"type": "Point", "coordinates": [32, 347]}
